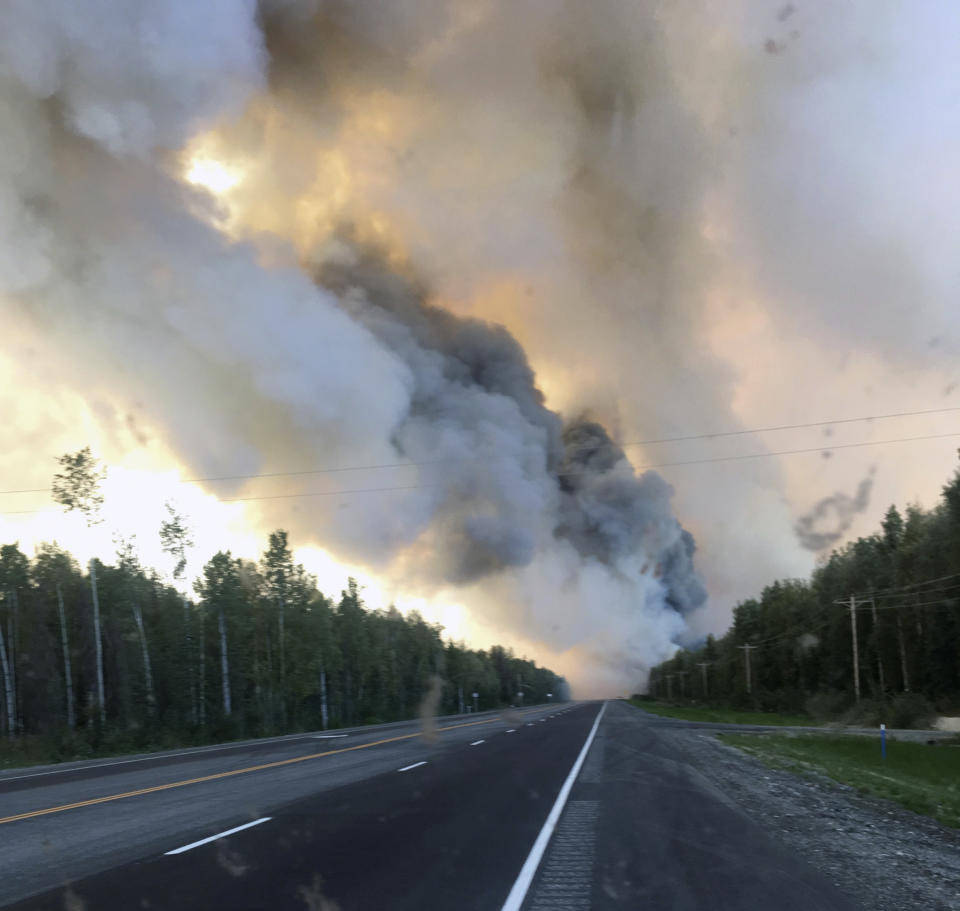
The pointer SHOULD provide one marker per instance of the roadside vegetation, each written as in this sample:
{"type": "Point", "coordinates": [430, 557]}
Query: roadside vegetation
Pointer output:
{"type": "Point", "coordinates": [113, 658]}
{"type": "Point", "coordinates": [722, 716]}
{"type": "Point", "coordinates": [924, 778]}
{"type": "Point", "coordinates": [873, 636]}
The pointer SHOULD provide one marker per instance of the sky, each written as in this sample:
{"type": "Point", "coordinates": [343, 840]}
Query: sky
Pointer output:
{"type": "Point", "coordinates": [224, 246]}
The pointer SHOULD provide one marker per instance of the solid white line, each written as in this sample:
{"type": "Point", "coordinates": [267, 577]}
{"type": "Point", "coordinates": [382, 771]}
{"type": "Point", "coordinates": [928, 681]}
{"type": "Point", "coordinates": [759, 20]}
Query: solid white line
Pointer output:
{"type": "Point", "coordinates": [511, 730]}
{"type": "Point", "coordinates": [203, 841]}
{"type": "Point", "coordinates": [519, 891]}
{"type": "Point", "coordinates": [328, 736]}
{"type": "Point", "coordinates": [407, 768]}
{"type": "Point", "coordinates": [477, 743]}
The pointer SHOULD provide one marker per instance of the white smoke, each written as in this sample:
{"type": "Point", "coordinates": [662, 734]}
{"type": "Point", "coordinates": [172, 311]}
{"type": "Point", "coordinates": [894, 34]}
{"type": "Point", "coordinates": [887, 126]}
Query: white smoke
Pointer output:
{"type": "Point", "coordinates": [690, 216]}
{"type": "Point", "coordinates": [120, 270]}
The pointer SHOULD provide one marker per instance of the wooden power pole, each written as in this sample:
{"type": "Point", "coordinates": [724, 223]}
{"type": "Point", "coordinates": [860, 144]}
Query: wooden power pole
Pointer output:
{"type": "Point", "coordinates": [703, 665]}
{"type": "Point", "coordinates": [856, 650]}
{"type": "Point", "coordinates": [746, 654]}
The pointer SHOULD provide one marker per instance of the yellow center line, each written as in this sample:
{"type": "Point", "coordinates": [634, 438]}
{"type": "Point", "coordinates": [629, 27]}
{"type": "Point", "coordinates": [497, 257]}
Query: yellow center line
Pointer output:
{"type": "Point", "coordinates": [254, 768]}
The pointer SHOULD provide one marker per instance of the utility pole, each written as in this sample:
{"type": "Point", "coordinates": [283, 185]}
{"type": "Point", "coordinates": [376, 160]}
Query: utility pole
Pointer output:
{"type": "Point", "coordinates": [876, 640]}
{"type": "Point", "coordinates": [669, 686]}
{"type": "Point", "coordinates": [856, 651]}
{"type": "Point", "coordinates": [903, 653]}
{"type": "Point", "coordinates": [703, 665]}
{"type": "Point", "coordinates": [683, 686]}
{"type": "Point", "coordinates": [746, 649]}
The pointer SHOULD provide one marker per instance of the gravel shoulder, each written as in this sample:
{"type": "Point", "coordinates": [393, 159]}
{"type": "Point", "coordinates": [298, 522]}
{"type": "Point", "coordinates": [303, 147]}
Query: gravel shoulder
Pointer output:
{"type": "Point", "coordinates": [876, 851]}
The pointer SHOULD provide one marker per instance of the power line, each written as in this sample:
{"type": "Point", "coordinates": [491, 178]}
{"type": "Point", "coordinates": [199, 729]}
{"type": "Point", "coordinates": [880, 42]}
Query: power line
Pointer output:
{"type": "Point", "coordinates": [274, 474]}
{"type": "Point", "coordinates": [651, 442]}
{"type": "Point", "coordinates": [918, 592]}
{"type": "Point", "coordinates": [756, 455]}
{"type": "Point", "coordinates": [735, 433]}
{"type": "Point", "coordinates": [941, 602]}
{"type": "Point", "coordinates": [909, 586]}
{"type": "Point", "coordinates": [281, 496]}
{"type": "Point", "coordinates": [798, 630]}
{"type": "Point", "coordinates": [781, 452]}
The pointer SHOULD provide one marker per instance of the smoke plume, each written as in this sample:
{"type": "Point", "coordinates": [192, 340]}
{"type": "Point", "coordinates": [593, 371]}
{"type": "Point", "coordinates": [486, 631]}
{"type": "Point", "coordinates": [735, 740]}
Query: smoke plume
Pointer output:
{"type": "Point", "coordinates": [485, 257]}
{"type": "Point", "coordinates": [246, 361]}
{"type": "Point", "coordinates": [832, 516]}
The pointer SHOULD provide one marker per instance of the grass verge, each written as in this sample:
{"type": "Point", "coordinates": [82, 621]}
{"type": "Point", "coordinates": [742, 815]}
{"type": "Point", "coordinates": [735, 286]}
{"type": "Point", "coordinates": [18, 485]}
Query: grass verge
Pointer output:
{"type": "Point", "coordinates": [921, 777]}
{"type": "Point", "coordinates": [727, 716]}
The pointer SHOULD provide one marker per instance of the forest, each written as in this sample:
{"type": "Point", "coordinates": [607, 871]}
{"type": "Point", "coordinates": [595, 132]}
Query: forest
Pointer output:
{"type": "Point", "coordinates": [112, 656]}
{"type": "Point", "coordinates": [873, 635]}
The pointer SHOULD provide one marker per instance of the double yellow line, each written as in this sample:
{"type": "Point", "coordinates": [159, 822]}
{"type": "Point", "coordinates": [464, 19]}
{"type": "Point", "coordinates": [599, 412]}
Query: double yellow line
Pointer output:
{"type": "Point", "coordinates": [254, 768]}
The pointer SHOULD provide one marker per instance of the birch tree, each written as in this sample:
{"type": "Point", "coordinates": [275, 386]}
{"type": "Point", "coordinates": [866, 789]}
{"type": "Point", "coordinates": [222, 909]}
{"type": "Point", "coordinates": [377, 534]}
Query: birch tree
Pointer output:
{"type": "Point", "coordinates": [176, 539]}
{"type": "Point", "coordinates": [53, 567]}
{"type": "Point", "coordinates": [278, 573]}
{"type": "Point", "coordinates": [220, 587]}
{"type": "Point", "coordinates": [129, 565]}
{"type": "Point", "coordinates": [8, 683]}
{"type": "Point", "coordinates": [14, 580]}
{"type": "Point", "coordinates": [77, 488]}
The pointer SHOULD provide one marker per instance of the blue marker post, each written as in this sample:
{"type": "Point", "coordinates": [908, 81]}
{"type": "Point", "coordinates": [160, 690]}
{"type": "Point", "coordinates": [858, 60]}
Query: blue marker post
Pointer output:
{"type": "Point", "coordinates": [883, 741]}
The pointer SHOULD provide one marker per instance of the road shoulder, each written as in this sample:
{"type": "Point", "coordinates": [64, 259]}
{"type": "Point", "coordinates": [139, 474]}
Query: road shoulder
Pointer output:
{"type": "Point", "coordinates": [890, 857]}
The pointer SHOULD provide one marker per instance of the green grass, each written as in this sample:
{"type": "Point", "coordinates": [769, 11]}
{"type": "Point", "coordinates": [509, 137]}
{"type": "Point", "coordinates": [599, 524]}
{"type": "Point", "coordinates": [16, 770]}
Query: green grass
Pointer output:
{"type": "Point", "coordinates": [727, 716]}
{"type": "Point", "coordinates": [923, 778]}
{"type": "Point", "coordinates": [35, 750]}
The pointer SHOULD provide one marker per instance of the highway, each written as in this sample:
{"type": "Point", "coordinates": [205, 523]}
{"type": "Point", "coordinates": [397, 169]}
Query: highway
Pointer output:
{"type": "Point", "coordinates": [582, 805]}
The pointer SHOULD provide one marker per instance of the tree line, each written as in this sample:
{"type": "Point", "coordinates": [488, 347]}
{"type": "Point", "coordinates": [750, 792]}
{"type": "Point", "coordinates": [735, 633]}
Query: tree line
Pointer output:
{"type": "Point", "coordinates": [876, 625]}
{"type": "Point", "coordinates": [113, 652]}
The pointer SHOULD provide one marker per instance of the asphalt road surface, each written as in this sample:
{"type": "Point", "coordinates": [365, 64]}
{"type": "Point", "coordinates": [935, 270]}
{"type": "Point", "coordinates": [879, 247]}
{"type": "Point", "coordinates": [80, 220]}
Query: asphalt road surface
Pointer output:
{"type": "Point", "coordinates": [558, 808]}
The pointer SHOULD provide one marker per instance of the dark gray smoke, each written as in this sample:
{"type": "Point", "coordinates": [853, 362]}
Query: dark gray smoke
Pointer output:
{"type": "Point", "coordinates": [466, 371]}
{"type": "Point", "coordinates": [831, 517]}
{"type": "Point", "coordinates": [236, 359]}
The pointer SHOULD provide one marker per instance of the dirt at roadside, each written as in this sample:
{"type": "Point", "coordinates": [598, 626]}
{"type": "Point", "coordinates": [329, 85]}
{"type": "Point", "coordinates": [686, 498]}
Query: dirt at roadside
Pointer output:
{"type": "Point", "coordinates": [876, 851]}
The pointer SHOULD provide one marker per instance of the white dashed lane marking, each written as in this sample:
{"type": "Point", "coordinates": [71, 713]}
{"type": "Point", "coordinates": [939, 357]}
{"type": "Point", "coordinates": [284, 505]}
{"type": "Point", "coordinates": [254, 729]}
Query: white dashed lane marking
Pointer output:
{"type": "Point", "coordinates": [204, 841]}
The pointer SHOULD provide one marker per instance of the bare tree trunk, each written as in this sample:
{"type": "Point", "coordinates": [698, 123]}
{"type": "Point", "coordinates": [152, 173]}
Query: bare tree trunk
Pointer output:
{"type": "Point", "coordinates": [67, 672]}
{"type": "Point", "coordinates": [270, 687]}
{"type": "Point", "coordinates": [324, 710]}
{"type": "Point", "coordinates": [188, 644]}
{"type": "Point", "coordinates": [258, 687]}
{"type": "Point", "coordinates": [283, 667]}
{"type": "Point", "coordinates": [876, 645]}
{"type": "Point", "coordinates": [224, 665]}
{"type": "Point", "coordinates": [203, 668]}
{"type": "Point", "coordinates": [101, 698]}
{"type": "Point", "coordinates": [903, 655]}
{"type": "Point", "coordinates": [147, 672]}
{"type": "Point", "coordinates": [13, 650]}
{"type": "Point", "coordinates": [8, 689]}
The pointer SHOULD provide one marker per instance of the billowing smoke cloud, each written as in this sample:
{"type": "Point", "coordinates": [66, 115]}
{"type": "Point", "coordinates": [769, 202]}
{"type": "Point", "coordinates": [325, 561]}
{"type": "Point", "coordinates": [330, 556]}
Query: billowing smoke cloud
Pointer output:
{"type": "Point", "coordinates": [832, 516]}
{"type": "Point", "coordinates": [692, 217]}
{"type": "Point", "coordinates": [242, 366]}
{"type": "Point", "coordinates": [518, 503]}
